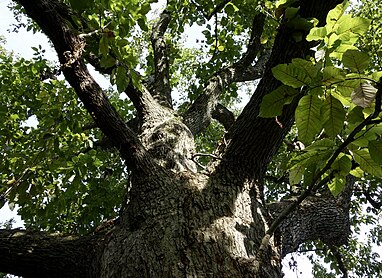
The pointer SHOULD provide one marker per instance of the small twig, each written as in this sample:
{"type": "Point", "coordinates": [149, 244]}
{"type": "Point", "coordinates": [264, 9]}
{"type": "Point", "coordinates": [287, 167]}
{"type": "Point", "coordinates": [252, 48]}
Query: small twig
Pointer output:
{"type": "Point", "coordinates": [215, 11]}
{"type": "Point", "coordinates": [340, 262]}
{"type": "Point", "coordinates": [100, 30]}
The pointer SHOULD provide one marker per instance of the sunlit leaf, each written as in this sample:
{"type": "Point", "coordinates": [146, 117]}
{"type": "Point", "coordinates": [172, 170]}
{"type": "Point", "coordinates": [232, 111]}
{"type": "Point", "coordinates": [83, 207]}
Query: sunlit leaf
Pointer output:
{"type": "Point", "coordinates": [308, 118]}
{"type": "Point", "coordinates": [337, 185]}
{"type": "Point", "coordinates": [356, 60]}
{"type": "Point", "coordinates": [363, 158]}
{"type": "Point", "coordinates": [273, 103]}
{"type": "Point", "coordinates": [291, 75]}
{"type": "Point", "coordinates": [375, 149]}
{"type": "Point", "coordinates": [333, 116]}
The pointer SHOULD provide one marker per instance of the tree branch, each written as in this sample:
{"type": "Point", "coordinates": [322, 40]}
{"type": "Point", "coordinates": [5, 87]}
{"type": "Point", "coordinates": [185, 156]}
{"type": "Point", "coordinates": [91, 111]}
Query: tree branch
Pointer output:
{"type": "Point", "coordinates": [37, 254]}
{"type": "Point", "coordinates": [215, 11]}
{"type": "Point", "coordinates": [199, 115]}
{"type": "Point", "coordinates": [69, 47]}
{"type": "Point", "coordinates": [223, 116]}
{"type": "Point", "coordinates": [161, 89]}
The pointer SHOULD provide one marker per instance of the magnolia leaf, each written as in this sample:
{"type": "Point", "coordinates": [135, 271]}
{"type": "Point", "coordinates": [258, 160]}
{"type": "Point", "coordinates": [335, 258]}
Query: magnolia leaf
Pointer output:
{"type": "Point", "coordinates": [310, 69]}
{"type": "Point", "coordinates": [355, 60]}
{"type": "Point", "coordinates": [367, 164]}
{"type": "Point", "coordinates": [316, 33]}
{"type": "Point", "coordinates": [357, 172]}
{"type": "Point", "coordinates": [357, 25]}
{"type": "Point", "coordinates": [332, 74]}
{"type": "Point", "coordinates": [375, 149]}
{"type": "Point", "coordinates": [121, 79]}
{"type": "Point", "coordinates": [337, 185]}
{"type": "Point", "coordinates": [333, 116]}
{"type": "Point", "coordinates": [291, 75]}
{"type": "Point", "coordinates": [273, 103]}
{"type": "Point", "coordinates": [308, 118]}
{"type": "Point", "coordinates": [342, 165]}
{"type": "Point", "coordinates": [334, 15]}
{"type": "Point", "coordinates": [364, 95]}
{"type": "Point", "coordinates": [104, 45]}
{"type": "Point", "coordinates": [295, 174]}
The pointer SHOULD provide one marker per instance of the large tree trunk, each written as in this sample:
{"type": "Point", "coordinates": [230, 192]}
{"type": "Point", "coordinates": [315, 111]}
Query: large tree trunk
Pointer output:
{"type": "Point", "coordinates": [177, 222]}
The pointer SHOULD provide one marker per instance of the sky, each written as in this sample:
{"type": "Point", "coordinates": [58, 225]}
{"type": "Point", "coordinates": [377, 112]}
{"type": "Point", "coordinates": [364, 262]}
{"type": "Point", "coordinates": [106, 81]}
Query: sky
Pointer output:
{"type": "Point", "coordinates": [21, 43]}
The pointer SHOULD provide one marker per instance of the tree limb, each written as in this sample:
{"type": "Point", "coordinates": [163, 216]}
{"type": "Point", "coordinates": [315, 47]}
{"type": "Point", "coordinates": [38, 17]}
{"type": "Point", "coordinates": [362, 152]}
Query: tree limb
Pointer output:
{"type": "Point", "coordinates": [38, 254]}
{"type": "Point", "coordinates": [223, 116]}
{"type": "Point", "coordinates": [161, 87]}
{"type": "Point", "coordinates": [199, 115]}
{"type": "Point", "coordinates": [69, 47]}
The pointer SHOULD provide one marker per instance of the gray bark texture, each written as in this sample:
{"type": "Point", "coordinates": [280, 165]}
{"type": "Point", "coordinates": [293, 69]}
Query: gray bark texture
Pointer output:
{"type": "Point", "coordinates": [178, 221]}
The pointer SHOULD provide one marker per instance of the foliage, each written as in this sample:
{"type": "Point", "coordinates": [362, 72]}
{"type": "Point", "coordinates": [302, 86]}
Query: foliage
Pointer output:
{"type": "Point", "coordinates": [59, 168]}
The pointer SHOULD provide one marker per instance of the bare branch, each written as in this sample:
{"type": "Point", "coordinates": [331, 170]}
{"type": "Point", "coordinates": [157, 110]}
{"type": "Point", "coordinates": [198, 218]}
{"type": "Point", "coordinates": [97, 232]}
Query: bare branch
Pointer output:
{"type": "Point", "coordinates": [223, 116]}
{"type": "Point", "coordinates": [161, 88]}
{"type": "Point", "coordinates": [199, 115]}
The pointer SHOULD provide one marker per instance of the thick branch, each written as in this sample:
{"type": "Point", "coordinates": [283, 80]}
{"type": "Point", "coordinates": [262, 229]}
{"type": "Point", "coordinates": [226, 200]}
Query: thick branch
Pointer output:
{"type": "Point", "coordinates": [37, 254]}
{"type": "Point", "coordinates": [69, 47]}
{"type": "Point", "coordinates": [252, 141]}
{"type": "Point", "coordinates": [161, 88]}
{"type": "Point", "coordinates": [199, 115]}
{"type": "Point", "coordinates": [223, 116]}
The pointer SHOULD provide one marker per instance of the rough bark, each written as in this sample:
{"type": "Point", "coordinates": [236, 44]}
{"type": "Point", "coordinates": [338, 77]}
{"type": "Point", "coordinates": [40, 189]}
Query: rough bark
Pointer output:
{"type": "Point", "coordinates": [177, 222]}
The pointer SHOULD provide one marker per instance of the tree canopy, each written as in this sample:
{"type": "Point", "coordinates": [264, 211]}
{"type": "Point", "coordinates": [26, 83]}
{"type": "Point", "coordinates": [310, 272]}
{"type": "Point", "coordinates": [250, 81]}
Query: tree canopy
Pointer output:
{"type": "Point", "coordinates": [70, 158]}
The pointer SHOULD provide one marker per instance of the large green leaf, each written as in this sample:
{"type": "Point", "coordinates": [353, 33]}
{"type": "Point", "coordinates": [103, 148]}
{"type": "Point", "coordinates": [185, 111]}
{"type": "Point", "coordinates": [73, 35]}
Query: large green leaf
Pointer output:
{"type": "Point", "coordinates": [357, 25]}
{"type": "Point", "coordinates": [121, 79]}
{"type": "Point", "coordinates": [333, 116]}
{"type": "Point", "coordinates": [375, 149]}
{"type": "Point", "coordinates": [337, 185]}
{"type": "Point", "coordinates": [342, 165]}
{"type": "Point", "coordinates": [356, 60]}
{"type": "Point", "coordinates": [316, 33]}
{"type": "Point", "coordinates": [273, 103]}
{"type": "Point", "coordinates": [308, 118]}
{"type": "Point", "coordinates": [332, 74]}
{"type": "Point", "coordinates": [291, 75]}
{"type": "Point", "coordinates": [363, 158]}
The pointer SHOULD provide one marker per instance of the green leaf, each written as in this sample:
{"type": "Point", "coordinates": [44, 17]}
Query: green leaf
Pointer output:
{"type": "Point", "coordinates": [295, 174]}
{"type": "Point", "coordinates": [316, 33]}
{"type": "Point", "coordinates": [375, 150]}
{"type": "Point", "coordinates": [291, 75]}
{"type": "Point", "coordinates": [357, 25]}
{"type": "Point", "coordinates": [334, 15]}
{"type": "Point", "coordinates": [332, 75]}
{"type": "Point", "coordinates": [333, 116]}
{"type": "Point", "coordinates": [363, 158]}
{"type": "Point", "coordinates": [364, 95]}
{"type": "Point", "coordinates": [310, 69]}
{"type": "Point", "coordinates": [273, 103]}
{"type": "Point", "coordinates": [342, 165]}
{"type": "Point", "coordinates": [356, 60]}
{"type": "Point", "coordinates": [122, 79]}
{"type": "Point", "coordinates": [142, 23]}
{"type": "Point", "coordinates": [104, 45]}
{"type": "Point", "coordinates": [357, 172]}
{"type": "Point", "coordinates": [337, 185]}
{"type": "Point", "coordinates": [308, 118]}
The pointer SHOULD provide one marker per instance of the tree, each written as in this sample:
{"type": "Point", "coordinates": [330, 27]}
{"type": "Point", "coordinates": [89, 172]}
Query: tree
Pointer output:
{"type": "Point", "coordinates": [281, 175]}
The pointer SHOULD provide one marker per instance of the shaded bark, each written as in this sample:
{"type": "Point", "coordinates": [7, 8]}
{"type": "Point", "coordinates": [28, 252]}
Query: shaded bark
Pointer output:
{"type": "Point", "coordinates": [37, 254]}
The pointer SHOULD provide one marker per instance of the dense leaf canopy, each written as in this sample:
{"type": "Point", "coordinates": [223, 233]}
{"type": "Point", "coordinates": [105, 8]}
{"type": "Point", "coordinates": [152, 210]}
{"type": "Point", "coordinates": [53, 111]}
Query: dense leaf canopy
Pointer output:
{"type": "Point", "coordinates": [65, 176]}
